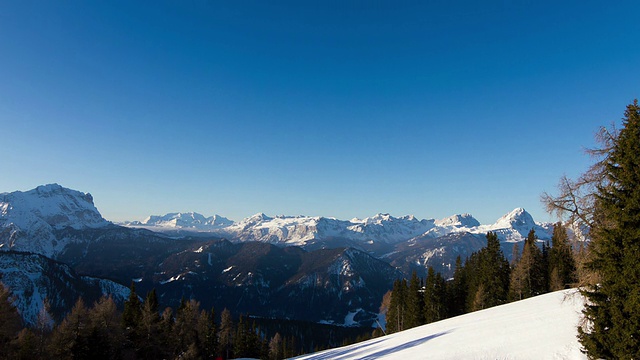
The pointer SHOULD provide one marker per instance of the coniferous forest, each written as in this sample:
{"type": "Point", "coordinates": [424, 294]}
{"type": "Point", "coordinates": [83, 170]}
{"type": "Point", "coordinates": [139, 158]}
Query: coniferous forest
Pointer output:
{"type": "Point", "coordinates": [484, 280]}
{"type": "Point", "coordinates": [143, 331]}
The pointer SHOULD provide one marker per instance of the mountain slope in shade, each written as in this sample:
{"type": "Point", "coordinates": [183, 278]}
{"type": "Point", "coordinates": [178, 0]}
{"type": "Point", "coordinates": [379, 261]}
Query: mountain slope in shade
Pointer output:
{"type": "Point", "coordinates": [28, 220]}
{"type": "Point", "coordinates": [31, 278]}
{"type": "Point", "coordinates": [542, 327]}
{"type": "Point", "coordinates": [337, 286]}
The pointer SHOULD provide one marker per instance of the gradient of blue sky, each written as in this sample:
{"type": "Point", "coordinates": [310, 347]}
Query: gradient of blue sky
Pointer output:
{"type": "Point", "coordinates": [332, 108]}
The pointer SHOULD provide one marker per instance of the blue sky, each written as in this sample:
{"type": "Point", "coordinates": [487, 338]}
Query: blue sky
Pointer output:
{"type": "Point", "coordinates": [323, 108]}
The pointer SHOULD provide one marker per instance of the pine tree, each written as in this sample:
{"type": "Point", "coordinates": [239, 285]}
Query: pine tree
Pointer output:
{"type": "Point", "coordinates": [186, 325]}
{"type": "Point", "coordinates": [43, 328]}
{"type": "Point", "coordinates": [493, 275]}
{"type": "Point", "coordinates": [226, 333]}
{"type": "Point", "coordinates": [105, 331]}
{"type": "Point", "coordinates": [544, 268]}
{"type": "Point", "coordinates": [613, 308]}
{"type": "Point", "coordinates": [241, 342]}
{"type": "Point", "coordinates": [562, 266]}
{"type": "Point", "coordinates": [414, 303]}
{"type": "Point", "coordinates": [275, 347]}
{"type": "Point", "coordinates": [396, 315]}
{"type": "Point", "coordinates": [152, 342]}
{"type": "Point", "coordinates": [208, 334]}
{"type": "Point", "coordinates": [70, 339]}
{"type": "Point", "coordinates": [10, 321]}
{"type": "Point", "coordinates": [434, 297]}
{"type": "Point", "coordinates": [528, 275]}
{"type": "Point", "coordinates": [457, 290]}
{"type": "Point", "coordinates": [132, 309]}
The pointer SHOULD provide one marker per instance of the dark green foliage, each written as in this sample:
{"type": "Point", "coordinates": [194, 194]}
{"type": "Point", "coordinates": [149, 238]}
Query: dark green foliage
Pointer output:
{"type": "Point", "coordinates": [613, 309]}
{"type": "Point", "coordinates": [487, 276]}
{"type": "Point", "coordinates": [457, 290]}
{"type": "Point", "coordinates": [151, 338]}
{"type": "Point", "coordinates": [414, 303]}
{"type": "Point", "coordinates": [185, 328]}
{"type": "Point", "coordinates": [562, 266]}
{"type": "Point", "coordinates": [528, 277]}
{"type": "Point", "coordinates": [208, 334]}
{"type": "Point", "coordinates": [434, 297]}
{"type": "Point", "coordinates": [396, 316]}
{"type": "Point", "coordinates": [71, 339]}
{"type": "Point", "coordinates": [246, 342]}
{"type": "Point", "coordinates": [132, 309]}
{"type": "Point", "coordinates": [225, 337]}
{"type": "Point", "coordinates": [105, 331]}
{"type": "Point", "coordinates": [10, 321]}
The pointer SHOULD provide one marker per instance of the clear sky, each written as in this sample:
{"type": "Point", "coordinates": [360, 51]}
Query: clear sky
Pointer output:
{"type": "Point", "coordinates": [320, 108]}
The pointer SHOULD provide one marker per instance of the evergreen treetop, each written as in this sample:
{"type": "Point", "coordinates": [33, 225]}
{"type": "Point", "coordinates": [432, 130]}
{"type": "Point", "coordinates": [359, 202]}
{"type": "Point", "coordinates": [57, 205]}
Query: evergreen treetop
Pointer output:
{"type": "Point", "coordinates": [613, 308]}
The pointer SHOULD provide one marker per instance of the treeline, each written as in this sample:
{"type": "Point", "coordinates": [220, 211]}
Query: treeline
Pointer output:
{"type": "Point", "coordinates": [141, 331]}
{"type": "Point", "coordinates": [485, 279]}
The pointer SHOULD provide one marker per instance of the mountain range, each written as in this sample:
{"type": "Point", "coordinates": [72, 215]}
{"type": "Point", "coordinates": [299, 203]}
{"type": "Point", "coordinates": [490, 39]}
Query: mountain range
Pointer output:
{"type": "Point", "coordinates": [284, 266]}
{"type": "Point", "coordinates": [308, 231]}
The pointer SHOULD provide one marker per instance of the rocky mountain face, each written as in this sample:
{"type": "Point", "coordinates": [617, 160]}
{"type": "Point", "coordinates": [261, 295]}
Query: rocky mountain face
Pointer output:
{"type": "Point", "coordinates": [29, 220]}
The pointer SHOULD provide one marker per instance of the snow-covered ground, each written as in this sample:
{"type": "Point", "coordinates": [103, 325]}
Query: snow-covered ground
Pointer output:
{"type": "Point", "coordinates": [543, 327]}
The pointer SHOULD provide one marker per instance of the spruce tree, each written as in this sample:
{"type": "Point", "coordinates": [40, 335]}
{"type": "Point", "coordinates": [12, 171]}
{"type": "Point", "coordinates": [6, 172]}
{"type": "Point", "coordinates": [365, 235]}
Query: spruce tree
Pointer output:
{"type": "Point", "coordinates": [275, 347]}
{"type": "Point", "coordinates": [226, 333]}
{"type": "Point", "coordinates": [152, 342]}
{"type": "Point", "coordinates": [186, 326]}
{"type": "Point", "coordinates": [414, 303]}
{"type": "Point", "coordinates": [529, 274]}
{"type": "Point", "coordinates": [457, 290]}
{"type": "Point", "coordinates": [105, 331]}
{"type": "Point", "coordinates": [10, 321]}
{"type": "Point", "coordinates": [208, 334]}
{"type": "Point", "coordinates": [434, 297]}
{"type": "Point", "coordinates": [396, 315]}
{"type": "Point", "coordinates": [71, 339]}
{"type": "Point", "coordinates": [493, 273]}
{"type": "Point", "coordinates": [132, 309]}
{"type": "Point", "coordinates": [613, 308]}
{"type": "Point", "coordinates": [562, 266]}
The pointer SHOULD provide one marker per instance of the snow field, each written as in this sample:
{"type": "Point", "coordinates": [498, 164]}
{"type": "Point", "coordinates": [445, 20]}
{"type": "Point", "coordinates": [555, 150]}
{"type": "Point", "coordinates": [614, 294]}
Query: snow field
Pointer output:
{"type": "Point", "coordinates": [543, 327]}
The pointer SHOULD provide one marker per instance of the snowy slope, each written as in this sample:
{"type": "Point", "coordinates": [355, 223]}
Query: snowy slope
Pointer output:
{"type": "Point", "coordinates": [543, 327]}
{"type": "Point", "coordinates": [29, 219]}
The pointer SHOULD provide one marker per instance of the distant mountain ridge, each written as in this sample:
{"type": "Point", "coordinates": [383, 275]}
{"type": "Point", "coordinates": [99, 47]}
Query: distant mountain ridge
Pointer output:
{"type": "Point", "coordinates": [380, 228]}
{"type": "Point", "coordinates": [273, 266]}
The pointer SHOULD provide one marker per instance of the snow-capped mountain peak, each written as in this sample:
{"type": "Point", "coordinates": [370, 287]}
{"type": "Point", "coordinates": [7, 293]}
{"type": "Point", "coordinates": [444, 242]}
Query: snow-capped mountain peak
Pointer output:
{"type": "Point", "coordinates": [515, 226]}
{"type": "Point", "coordinates": [29, 219]}
{"type": "Point", "coordinates": [59, 207]}
{"type": "Point", "coordinates": [188, 220]}
{"type": "Point", "coordinates": [518, 219]}
{"type": "Point", "coordinates": [460, 220]}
